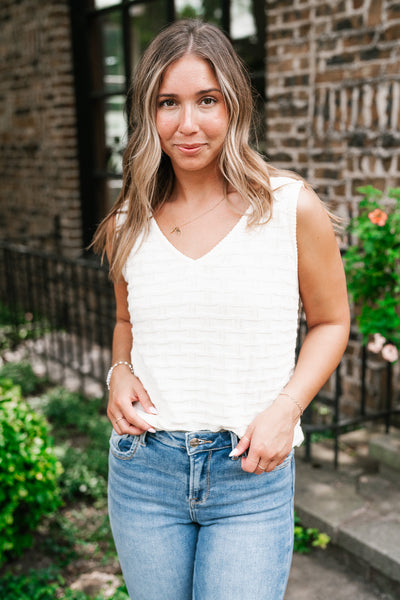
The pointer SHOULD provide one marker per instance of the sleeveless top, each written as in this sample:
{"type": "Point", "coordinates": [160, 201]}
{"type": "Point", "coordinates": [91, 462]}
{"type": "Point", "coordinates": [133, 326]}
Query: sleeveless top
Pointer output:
{"type": "Point", "coordinates": [214, 338]}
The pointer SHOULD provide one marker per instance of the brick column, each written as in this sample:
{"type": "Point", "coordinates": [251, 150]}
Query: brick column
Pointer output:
{"type": "Point", "coordinates": [39, 192]}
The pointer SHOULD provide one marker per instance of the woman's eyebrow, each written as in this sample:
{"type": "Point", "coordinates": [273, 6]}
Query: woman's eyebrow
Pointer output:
{"type": "Point", "coordinates": [199, 93]}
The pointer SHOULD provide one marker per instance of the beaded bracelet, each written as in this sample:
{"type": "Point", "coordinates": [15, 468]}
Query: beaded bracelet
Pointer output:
{"type": "Point", "coordinates": [110, 372]}
{"type": "Point", "coordinates": [297, 403]}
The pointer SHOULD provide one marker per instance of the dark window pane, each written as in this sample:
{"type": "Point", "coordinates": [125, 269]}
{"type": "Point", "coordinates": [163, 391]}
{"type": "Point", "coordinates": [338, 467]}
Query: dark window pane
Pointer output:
{"type": "Point", "coordinates": [146, 20]}
{"type": "Point", "coordinates": [113, 188]}
{"type": "Point", "coordinates": [206, 10]}
{"type": "Point", "coordinates": [107, 53]}
{"type": "Point", "coordinates": [243, 24]}
{"type": "Point", "coordinates": [115, 133]}
{"type": "Point", "coordinates": [248, 35]}
{"type": "Point", "coordinates": [113, 52]}
{"type": "Point", "coordinates": [118, 33]}
{"type": "Point", "coordinates": [248, 24]}
{"type": "Point", "coordinates": [105, 3]}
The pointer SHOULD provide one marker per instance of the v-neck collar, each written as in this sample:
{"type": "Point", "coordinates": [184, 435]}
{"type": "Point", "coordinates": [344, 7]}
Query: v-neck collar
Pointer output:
{"type": "Point", "coordinates": [210, 252]}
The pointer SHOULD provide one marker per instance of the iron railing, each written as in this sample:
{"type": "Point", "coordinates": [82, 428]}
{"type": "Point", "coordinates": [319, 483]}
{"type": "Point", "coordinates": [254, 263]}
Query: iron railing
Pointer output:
{"type": "Point", "coordinates": [65, 309]}
{"type": "Point", "coordinates": [374, 400]}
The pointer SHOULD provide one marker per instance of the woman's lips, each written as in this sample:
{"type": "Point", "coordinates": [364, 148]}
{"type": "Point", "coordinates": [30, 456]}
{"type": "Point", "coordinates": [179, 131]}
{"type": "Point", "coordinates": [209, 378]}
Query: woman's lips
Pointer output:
{"type": "Point", "coordinates": [189, 149]}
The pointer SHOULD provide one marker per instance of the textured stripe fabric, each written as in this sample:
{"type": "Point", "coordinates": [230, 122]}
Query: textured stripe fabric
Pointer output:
{"type": "Point", "coordinates": [214, 338]}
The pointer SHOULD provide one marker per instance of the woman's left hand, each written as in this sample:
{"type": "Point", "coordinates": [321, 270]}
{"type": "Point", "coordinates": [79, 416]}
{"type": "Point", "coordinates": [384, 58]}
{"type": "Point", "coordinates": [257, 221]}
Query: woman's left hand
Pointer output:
{"type": "Point", "coordinates": [268, 438]}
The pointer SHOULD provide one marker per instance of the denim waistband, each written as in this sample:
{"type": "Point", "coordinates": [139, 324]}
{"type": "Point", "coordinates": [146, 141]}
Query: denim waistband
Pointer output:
{"type": "Point", "coordinates": [195, 441]}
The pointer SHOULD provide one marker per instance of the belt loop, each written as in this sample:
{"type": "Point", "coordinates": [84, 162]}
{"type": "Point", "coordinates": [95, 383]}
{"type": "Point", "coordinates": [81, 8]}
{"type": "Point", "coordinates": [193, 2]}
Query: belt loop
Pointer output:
{"type": "Point", "coordinates": [234, 439]}
{"type": "Point", "coordinates": [142, 438]}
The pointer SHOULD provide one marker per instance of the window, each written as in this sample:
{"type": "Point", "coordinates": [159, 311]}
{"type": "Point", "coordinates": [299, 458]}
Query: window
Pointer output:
{"type": "Point", "coordinates": [109, 37]}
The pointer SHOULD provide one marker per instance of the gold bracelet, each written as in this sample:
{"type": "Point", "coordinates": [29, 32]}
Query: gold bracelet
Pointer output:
{"type": "Point", "coordinates": [297, 403]}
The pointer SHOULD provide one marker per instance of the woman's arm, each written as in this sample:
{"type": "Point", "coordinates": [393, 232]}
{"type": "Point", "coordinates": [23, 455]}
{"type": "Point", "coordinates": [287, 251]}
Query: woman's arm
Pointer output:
{"type": "Point", "coordinates": [269, 437]}
{"type": "Point", "coordinates": [125, 388]}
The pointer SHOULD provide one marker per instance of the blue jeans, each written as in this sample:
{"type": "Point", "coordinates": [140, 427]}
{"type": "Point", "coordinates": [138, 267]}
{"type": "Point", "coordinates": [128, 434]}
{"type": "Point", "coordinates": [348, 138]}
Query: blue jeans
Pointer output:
{"type": "Point", "coordinates": [190, 524]}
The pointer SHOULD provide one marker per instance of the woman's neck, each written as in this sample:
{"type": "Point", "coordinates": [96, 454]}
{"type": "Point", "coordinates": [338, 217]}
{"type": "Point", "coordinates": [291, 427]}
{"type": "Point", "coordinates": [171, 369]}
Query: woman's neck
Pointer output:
{"type": "Point", "coordinates": [197, 188]}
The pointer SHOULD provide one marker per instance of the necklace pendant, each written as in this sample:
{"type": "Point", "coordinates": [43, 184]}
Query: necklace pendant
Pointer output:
{"type": "Point", "coordinates": [176, 230]}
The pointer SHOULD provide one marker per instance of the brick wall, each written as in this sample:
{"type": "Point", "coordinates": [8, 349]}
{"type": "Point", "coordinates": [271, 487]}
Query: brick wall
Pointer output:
{"type": "Point", "coordinates": [333, 86]}
{"type": "Point", "coordinates": [39, 191]}
{"type": "Point", "coordinates": [333, 114]}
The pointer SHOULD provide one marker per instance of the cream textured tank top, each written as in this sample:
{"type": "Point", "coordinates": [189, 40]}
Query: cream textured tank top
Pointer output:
{"type": "Point", "coordinates": [214, 338]}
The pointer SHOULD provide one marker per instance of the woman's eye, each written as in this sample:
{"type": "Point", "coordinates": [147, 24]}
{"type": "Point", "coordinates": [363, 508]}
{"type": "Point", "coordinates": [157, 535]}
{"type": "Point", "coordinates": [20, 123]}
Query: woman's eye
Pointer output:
{"type": "Point", "coordinates": [167, 103]}
{"type": "Point", "coordinates": [208, 101]}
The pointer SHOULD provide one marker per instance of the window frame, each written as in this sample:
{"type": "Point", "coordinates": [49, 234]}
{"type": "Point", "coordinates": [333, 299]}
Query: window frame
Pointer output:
{"type": "Point", "coordinates": [90, 114]}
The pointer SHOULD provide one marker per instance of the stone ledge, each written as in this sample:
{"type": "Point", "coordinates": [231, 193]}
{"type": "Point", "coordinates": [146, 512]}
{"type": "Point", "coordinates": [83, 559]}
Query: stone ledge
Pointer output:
{"type": "Point", "coordinates": [358, 511]}
{"type": "Point", "coordinates": [386, 449]}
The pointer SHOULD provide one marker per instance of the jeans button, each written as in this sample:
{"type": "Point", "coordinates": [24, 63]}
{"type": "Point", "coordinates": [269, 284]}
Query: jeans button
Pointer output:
{"type": "Point", "coordinates": [194, 442]}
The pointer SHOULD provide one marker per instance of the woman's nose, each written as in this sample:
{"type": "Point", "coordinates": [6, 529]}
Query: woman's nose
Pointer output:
{"type": "Point", "coordinates": [188, 122]}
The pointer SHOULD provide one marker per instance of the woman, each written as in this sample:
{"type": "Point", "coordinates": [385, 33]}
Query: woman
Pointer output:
{"type": "Point", "coordinates": [210, 249]}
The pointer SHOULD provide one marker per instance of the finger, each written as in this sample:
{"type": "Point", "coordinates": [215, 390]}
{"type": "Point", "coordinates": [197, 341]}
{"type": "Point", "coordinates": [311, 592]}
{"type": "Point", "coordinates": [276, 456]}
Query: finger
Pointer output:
{"type": "Point", "coordinates": [250, 463]}
{"type": "Point", "coordinates": [143, 397]}
{"type": "Point", "coordinates": [272, 465]}
{"type": "Point", "coordinates": [242, 446]}
{"type": "Point", "coordinates": [140, 423]}
{"type": "Point", "coordinates": [118, 419]}
{"type": "Point", "coordinates": [128, 421]}
{"type": "Point", "coordinates": [127, 428]}
{"type": "Point", "coordinates": [123, 427]}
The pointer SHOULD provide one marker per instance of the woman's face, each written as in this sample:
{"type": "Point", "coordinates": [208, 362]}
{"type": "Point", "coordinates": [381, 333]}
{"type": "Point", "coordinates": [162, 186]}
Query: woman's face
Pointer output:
{"type": "Point", "coordinates": [191, 118]}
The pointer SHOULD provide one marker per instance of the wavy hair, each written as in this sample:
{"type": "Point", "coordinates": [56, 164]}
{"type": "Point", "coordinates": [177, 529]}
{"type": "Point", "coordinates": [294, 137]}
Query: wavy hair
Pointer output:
{"type": "Point", "coordinates": [148, 177]}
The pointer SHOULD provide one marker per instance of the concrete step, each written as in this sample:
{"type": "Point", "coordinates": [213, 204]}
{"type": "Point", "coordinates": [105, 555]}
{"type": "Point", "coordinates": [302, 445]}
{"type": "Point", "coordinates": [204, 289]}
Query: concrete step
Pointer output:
{"type": "Point", "coordinates": [386, 450]}
{"type": "Point", "coordinates": [356, 506]}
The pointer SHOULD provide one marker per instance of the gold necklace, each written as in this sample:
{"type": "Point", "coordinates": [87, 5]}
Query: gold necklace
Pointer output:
{"type": "Point", "coordinates": [177, 228]}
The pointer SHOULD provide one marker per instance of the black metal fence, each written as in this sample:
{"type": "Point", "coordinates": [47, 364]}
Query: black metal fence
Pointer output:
{"type": "Point", "coordinates": [373, 399]}
{"type": "Point", "coordinates": [64, 311]}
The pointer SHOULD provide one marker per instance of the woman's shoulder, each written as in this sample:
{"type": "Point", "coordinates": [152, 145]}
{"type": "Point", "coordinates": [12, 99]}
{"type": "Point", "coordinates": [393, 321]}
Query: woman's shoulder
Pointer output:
{"type": "Point", "coordinates": [286, 191]}
{"type": "Point", "coordinates": [294, 193]}
{"type": "Point", "coordinates": [280, 182]}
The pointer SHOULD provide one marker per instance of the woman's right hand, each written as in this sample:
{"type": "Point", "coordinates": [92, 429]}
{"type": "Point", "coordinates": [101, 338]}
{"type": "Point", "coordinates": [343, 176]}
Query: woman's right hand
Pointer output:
{"type": "Point", "coordinates": [125, 390]}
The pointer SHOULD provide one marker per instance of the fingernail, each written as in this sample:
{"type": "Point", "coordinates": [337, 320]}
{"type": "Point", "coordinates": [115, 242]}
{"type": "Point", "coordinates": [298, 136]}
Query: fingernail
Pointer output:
{"type": "Point", "coordinates": [152, 430]}
{"type": "Point", "coordinates": [234, 452]}
{"type": "Point", "coordinates": [153, 410]}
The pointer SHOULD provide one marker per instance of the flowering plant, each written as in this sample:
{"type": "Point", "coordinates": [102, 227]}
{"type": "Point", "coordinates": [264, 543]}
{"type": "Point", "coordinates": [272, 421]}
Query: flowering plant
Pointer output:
{"type": "Point", "coordinates": [372, 265]}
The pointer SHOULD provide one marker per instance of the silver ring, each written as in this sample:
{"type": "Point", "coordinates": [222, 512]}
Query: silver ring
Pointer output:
{"type": "Point", "coordinates": [119, 419]}
{"type": "Point", "coordinates": [261, 468]}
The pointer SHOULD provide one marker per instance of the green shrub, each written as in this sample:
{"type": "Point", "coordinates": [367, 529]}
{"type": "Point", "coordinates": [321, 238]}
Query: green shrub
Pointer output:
{"type": "Point", "coordinates": [81, 431]}
{"type": "Point", "coordinates": [46, 584]}
{"type": "Point", "coordinates": [17, 325]}
{"type": "Point", "coordinates": [84, 472]}
{"type": "Point", "coordinates": [29, 471]}
{"type": "Point", "coordinates": [372, 264]}
{"type": "Point", "coordinates": [73, 410]}
{"type": "Point", "coordinates": [21, 374]}
{"type": "Point", "coordinates": [37, 585]}
{"type": "Point", "coordinates": [306, 538]}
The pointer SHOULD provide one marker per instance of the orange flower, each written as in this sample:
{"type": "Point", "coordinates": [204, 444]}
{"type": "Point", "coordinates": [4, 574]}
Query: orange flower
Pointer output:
{"type": "Point", "coordinates": [378, 217]}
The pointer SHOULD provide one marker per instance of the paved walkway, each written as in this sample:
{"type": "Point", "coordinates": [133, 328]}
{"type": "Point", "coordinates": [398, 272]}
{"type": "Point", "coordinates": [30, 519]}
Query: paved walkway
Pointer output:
{"type": "Point", "coordinates": [359, 508]}
{"type": "Point", "coordinates": [320, 576]}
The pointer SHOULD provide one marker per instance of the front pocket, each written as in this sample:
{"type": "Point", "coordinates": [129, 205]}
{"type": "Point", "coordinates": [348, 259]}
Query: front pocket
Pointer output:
{"type": "Point", "coordinates": [285, 463]}
{"type": "Point", "coordinates": [123, 446]}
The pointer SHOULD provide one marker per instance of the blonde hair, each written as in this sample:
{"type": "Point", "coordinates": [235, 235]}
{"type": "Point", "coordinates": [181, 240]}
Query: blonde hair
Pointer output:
{"type": "Point", "coordinates": [148, 177]}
